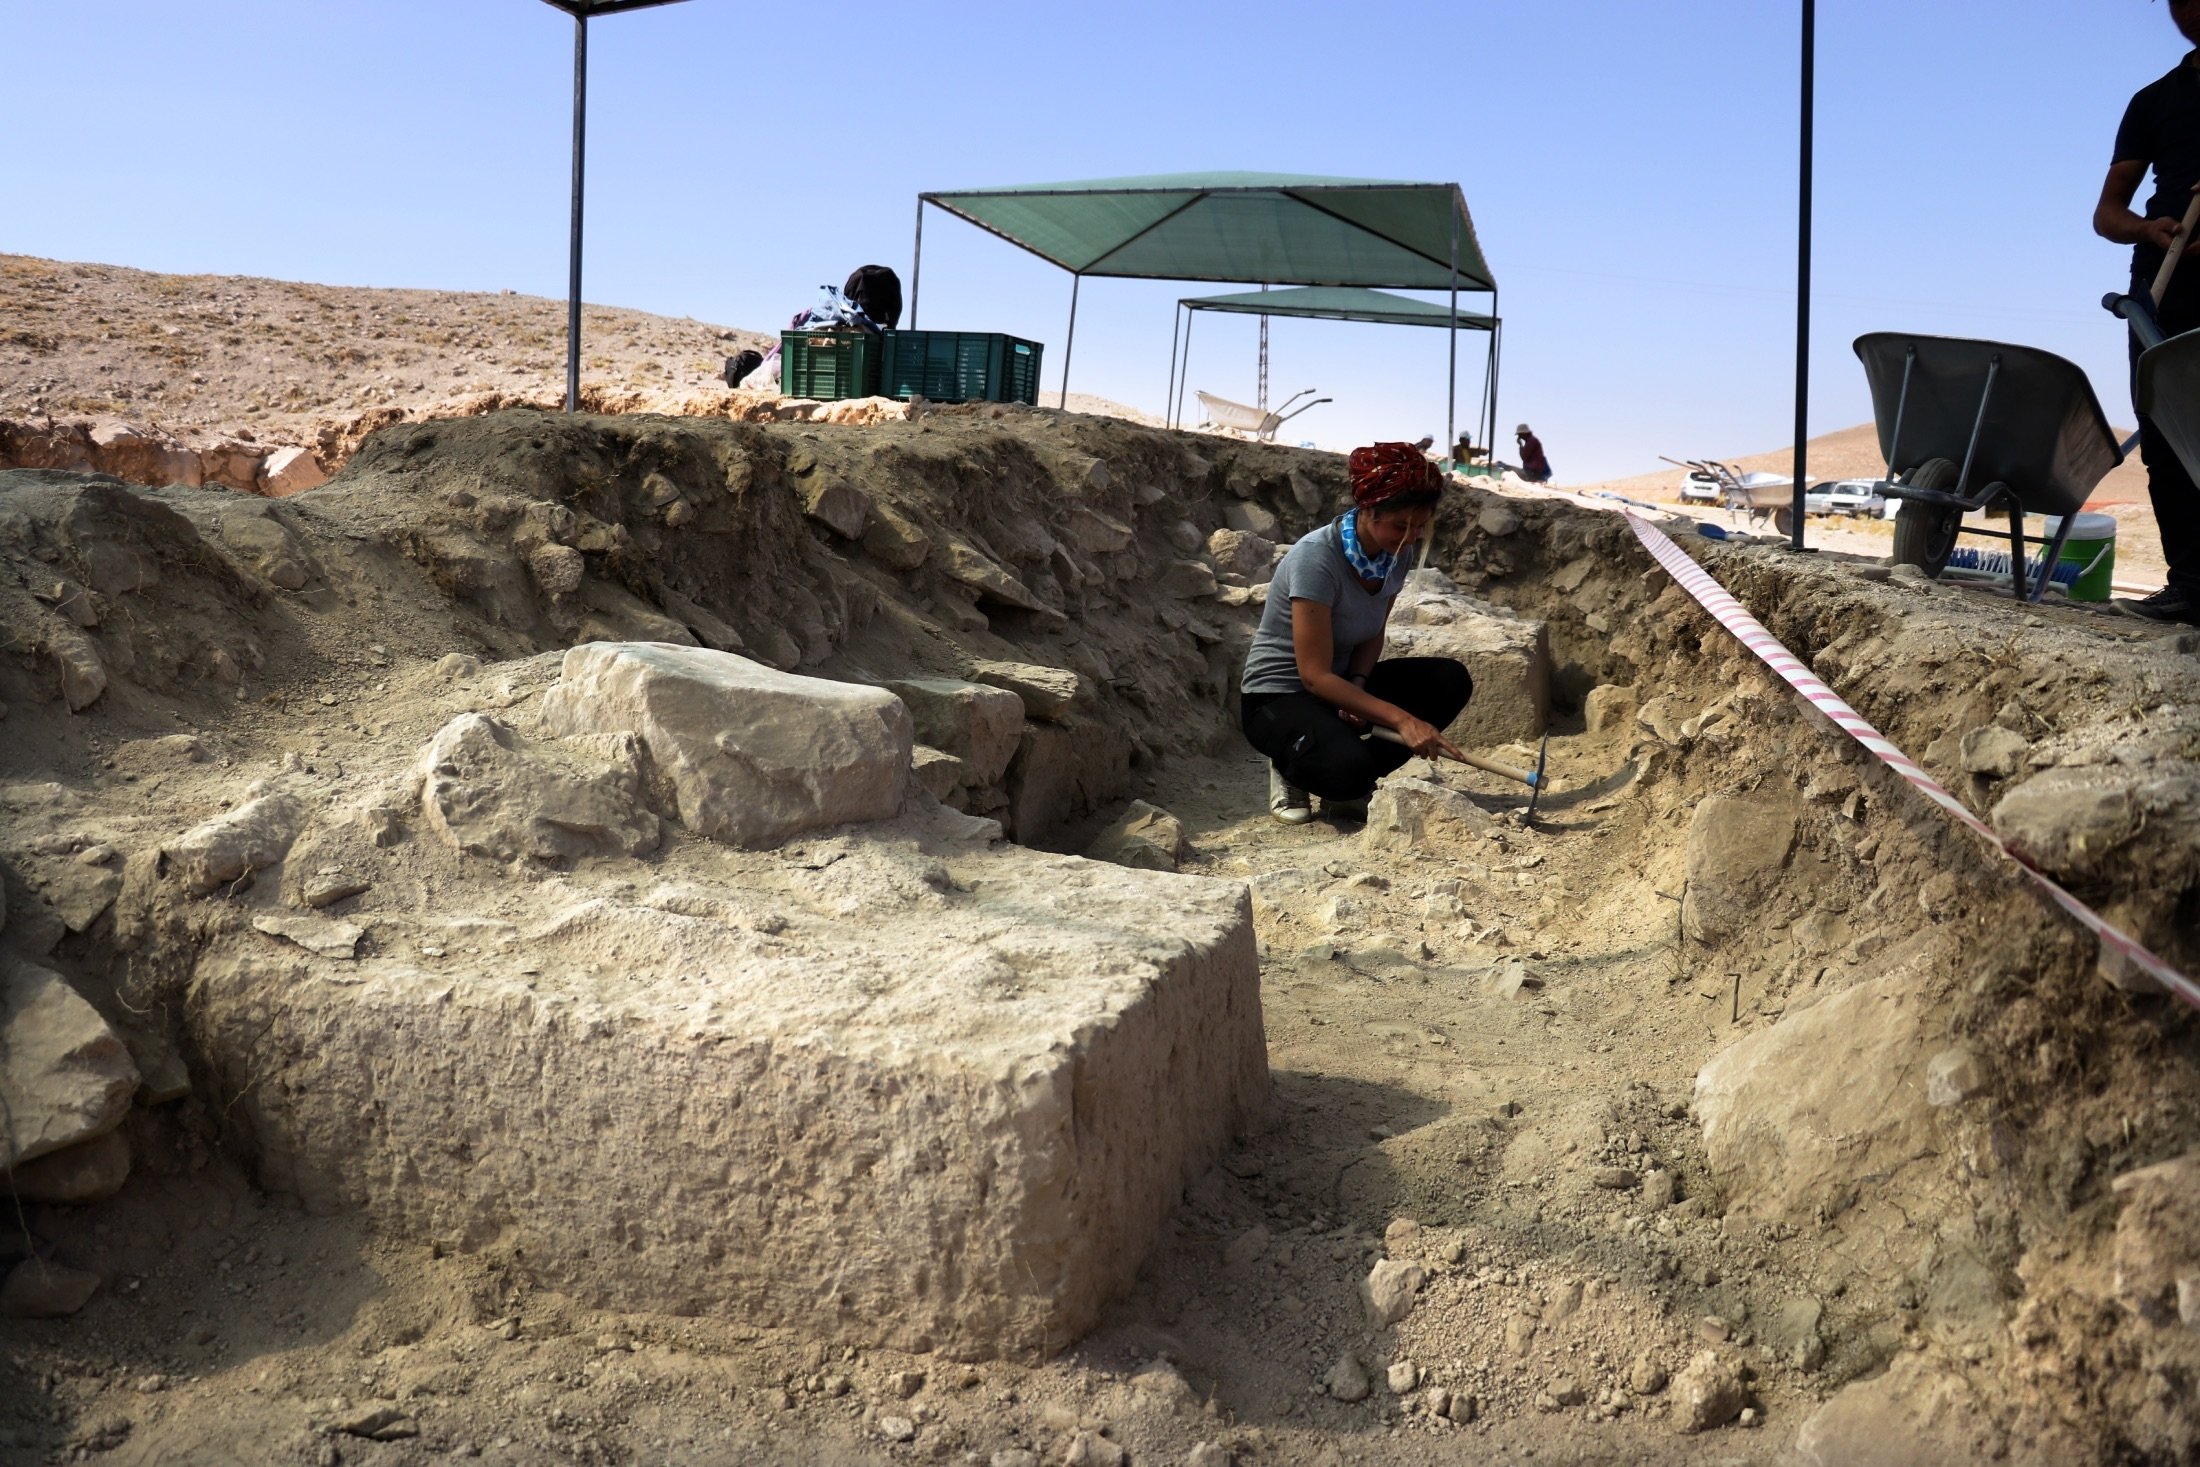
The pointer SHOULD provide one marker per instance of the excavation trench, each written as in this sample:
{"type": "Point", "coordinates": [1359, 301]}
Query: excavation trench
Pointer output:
{"type": "Point", "coordinates": [1738, 1081]}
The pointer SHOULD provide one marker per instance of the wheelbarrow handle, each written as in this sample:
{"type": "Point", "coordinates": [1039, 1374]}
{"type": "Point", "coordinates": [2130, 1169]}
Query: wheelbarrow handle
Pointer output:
{"type": "Point", "coordinates": [2176, 248]}
{"type": "Point", "coordinates": [2136, 312]}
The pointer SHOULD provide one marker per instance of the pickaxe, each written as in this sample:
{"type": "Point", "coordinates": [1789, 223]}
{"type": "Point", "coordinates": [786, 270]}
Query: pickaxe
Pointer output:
{"type": "Point", "coordinates": [1536, 782]}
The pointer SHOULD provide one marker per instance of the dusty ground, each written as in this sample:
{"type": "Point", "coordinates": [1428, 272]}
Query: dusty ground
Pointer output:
{"type": "Point", "coordinates": [1487, 1038]}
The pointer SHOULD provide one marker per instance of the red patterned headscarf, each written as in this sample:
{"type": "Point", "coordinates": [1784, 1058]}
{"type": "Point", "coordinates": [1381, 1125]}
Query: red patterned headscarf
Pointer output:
{"type": "Point", "coordinates": [1383, 471]}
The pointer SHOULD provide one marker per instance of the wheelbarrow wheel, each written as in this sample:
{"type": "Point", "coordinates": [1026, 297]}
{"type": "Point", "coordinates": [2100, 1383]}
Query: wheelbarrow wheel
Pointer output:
{"type": "Point", "coordinates": [1783, 520]}
{"type": "Point", "coordinates": [1925, 534]}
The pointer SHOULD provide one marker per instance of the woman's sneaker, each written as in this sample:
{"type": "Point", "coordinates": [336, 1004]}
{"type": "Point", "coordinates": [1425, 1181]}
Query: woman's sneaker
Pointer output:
{"type": "Point", "coordinates": [1286, 801]}
{"type": "Point", "coordinates": [1354, 811]}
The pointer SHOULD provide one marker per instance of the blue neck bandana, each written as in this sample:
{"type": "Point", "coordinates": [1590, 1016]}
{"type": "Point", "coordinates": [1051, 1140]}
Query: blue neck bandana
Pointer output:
{"type": "Point", "coordinates": [1368, 567]}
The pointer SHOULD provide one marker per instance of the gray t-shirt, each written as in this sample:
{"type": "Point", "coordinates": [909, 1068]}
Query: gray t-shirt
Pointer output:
{"type": "Point", "coordinates": [1315, 570]}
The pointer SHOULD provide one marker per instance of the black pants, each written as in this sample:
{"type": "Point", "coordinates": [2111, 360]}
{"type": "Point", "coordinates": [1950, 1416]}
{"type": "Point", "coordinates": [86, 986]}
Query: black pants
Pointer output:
{"type": "Point", "coordinates": [1319, 752]}
{"type": "Point", "coordinates": [2169, 484]}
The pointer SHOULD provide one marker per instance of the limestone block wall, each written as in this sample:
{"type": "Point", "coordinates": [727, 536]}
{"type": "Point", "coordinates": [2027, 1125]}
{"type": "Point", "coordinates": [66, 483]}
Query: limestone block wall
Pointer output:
{"type": "Point", "coordinates": [957, 1125]}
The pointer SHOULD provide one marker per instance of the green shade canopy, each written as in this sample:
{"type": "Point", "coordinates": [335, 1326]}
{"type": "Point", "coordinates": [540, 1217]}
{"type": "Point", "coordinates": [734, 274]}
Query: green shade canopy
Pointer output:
{"type": "Point", "coordinates": [1342, 303]}
{"type": "Point", "coordinates": [1262, 228]}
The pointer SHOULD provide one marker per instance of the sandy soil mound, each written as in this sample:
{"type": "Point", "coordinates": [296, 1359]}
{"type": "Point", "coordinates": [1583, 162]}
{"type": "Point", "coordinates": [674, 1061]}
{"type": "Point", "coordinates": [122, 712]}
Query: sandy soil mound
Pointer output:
{"type": "Point", "coordinates": [1738, 1094]}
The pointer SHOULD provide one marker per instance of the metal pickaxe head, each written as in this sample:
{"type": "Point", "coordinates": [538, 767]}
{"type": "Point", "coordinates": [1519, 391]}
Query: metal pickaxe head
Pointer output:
{"type": "Point", "coordinates": [1536, 781]}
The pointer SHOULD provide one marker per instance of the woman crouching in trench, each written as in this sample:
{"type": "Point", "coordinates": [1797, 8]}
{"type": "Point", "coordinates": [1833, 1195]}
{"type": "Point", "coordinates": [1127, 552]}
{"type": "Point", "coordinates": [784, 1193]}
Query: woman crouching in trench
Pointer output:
{"type": "Point", "coordinates": [1314, 679]}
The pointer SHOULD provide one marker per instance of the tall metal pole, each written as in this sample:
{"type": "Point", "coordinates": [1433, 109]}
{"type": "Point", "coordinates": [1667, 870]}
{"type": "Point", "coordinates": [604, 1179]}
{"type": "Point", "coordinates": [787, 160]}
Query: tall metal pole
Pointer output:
{"type": "Point", "coordinates": [1451, 385]}
{"type": "Point", "coordinates": [916, 267]}
{"type": "Point", "coordinates": [1497, 364]}
{"type": "Point", "coordinates": [1184, 378]}
{"type": "Point", "coordinates": [1069, 343]}
{"type": "Point", "coordinates": [580, 157]}
{"type": "Point", "coordinates": [1260, 399]}
{"type": "Point", "coordinates": [1802, 286]}
{"type": "Point", "coordinates": [1176, 321]}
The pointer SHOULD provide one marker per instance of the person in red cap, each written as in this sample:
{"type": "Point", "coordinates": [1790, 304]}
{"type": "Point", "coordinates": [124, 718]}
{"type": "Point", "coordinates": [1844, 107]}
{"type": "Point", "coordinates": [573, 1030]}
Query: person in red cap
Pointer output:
{"type": "Point", "coordinates": [1314, 678]}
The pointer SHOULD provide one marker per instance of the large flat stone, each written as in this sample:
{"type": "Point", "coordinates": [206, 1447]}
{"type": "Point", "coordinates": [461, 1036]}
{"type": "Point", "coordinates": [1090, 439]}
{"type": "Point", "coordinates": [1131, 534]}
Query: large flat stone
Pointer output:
{"type": "Point", "coordinates": [1509, 660]}
{"type": "Point", "coordinates": [1737, 849]}
{"type": "Point", "coordinates": [897, 1086]}
{"type": "Point", "coordinates": [978, 724]}
{"type": "Point", "coordinates": [1795, 1114]}
{"type": "Point", "coordinates": [64, 1075]}
{"type": "Point", "coordinates": [753, 755]}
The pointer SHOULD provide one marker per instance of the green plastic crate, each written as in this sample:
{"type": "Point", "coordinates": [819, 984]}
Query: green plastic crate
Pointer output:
{"type": "Point", "coordinates": [960, 366]}
{"type": "Point", "coordinates": [829, 365]}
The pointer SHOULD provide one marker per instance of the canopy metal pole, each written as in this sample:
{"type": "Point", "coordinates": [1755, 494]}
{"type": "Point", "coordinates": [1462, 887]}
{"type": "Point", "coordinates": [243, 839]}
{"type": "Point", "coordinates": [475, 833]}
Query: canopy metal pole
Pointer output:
{"type": "Point", "coordinates": [1184, 378]}
{"type": "Point", "coordinates": [1451, 326]}
{"type": "Point", "coordinates": [1497, 366]}
{"type": "Point", "coordinates": [1489, 370]}
{"type": "Point", "coordinates": [916, 266]}
{"type": "Point", "coordinates": [1802, 287]}
{"type": "Point", "coordinates": [1176, 320]}
{"type": "Point", "coordinates": [580, 155]}
{"type": "Point", "coordinates": [1069, 343]}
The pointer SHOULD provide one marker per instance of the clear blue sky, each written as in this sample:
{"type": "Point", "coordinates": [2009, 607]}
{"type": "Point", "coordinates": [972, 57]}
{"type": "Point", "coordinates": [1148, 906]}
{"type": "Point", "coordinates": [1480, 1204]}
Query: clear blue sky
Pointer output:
{"type": "Point", "coordinates": [1631, 169]}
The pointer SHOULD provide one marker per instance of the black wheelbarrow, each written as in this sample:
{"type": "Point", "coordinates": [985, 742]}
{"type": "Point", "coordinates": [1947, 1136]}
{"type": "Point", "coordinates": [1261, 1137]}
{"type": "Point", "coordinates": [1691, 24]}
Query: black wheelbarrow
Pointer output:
{"type": "Point", "coordinates": [1973, 427]}
{"type": "Point", "coordinates": [2167, 385]}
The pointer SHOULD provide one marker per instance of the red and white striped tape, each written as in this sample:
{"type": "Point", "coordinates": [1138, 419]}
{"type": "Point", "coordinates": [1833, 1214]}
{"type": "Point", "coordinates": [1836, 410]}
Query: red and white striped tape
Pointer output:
{"type": "Point", "coordinates": [1731, 614]}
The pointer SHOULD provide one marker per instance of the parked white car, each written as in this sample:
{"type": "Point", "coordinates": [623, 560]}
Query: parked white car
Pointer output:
{"type": "Point", "coordinates": [1850, 497]}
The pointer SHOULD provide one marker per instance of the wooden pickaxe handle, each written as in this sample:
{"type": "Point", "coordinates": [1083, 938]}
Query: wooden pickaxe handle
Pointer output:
{"type": "Point", "coordinates": [1489, 766]}
{"type": "Point", "coordinates": [2176, 248]}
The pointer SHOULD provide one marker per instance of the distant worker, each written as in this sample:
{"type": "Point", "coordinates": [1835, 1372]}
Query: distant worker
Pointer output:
{"type": "Point", "coordinates": [1425, 442]}
{"type": "Point", "coordinates": [1314, 677]}
{"type": "Point", "coordinates": [2161, 130]}
{"type": "Point", "coordinates": [1534, 467]}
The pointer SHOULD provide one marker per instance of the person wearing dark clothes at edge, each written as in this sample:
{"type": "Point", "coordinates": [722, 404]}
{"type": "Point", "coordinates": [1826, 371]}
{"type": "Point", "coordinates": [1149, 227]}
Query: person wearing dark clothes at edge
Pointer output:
{"type": "Point", "coordinates": [1315, 681]}
{"type": "Point", "coordinates": [1535, 466]}
{"type": "Point", "coordinates": [2161, 130]}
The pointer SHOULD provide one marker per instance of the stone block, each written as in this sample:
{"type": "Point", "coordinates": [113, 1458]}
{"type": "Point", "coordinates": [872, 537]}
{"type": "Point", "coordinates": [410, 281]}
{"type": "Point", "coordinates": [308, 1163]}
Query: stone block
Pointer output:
{"type": "Point", "coordinates": [894, 540]}
{"type": "Point", "coordinates": [977, 723]}
{"type": "Point", "coordinates": [37, 1288]}
{"type": "Point", "coordinates": [1252, 518]}
{"type": "Point", "coordinates": [988, 581]}
{"type": "Point", "coordinates": [225, 851]}
{"type": "Point", "coordinates": [1093, 533]}
{"type": "Point", "coordinates": [65, 1076]}
{"type": "Point", "coordinates": [1510, 662]}
{"type": "Point", "coordinates": [289, 471]}
{"type": "Point", "coordinates": [841, 508]}
{"type": "Point", "coordinates": [2157, 1235]}
{"type": "Point", "coordinates": [1707, 1393]}
{"type": "Point", "coordinates": [1609, 707]}
{"type": "Point", "coordinates": [488, 792]}
{"type": "Point", "coordinates": [1794, 1113]}
{"type": "Point", "coordinates": [753, 755]}
{"type": "Point", "coordinates": [1237, 553]}
{"type": "Point", "coordinates": [1993, 751]}
{"type": "Point", "coordinates": [1917, 1410]}
{"type": "Point", "coordinates": [1953, 1076]}
{"type": "Point", "coordinates": [1145, 836]}
{"type": "Point", "coordinates": [85, 1172]}
{"type": "Point", "coordinates": [1048, 692]}
{"type": "Point", "coordinates": [1410, 814]}
{"type": "Point", "coordinates": [1186, 580]}
{"type": "Point", "coordinates": [2071, 823]}
{"type": "Point", "coordinates": [943, 1099]}
{"type": "Point", "coordinates": [76, 658]}
{"type": "Point", "coordinates": [940, 773]}
{"type": "Point", "coordinates": [1736, 851]}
